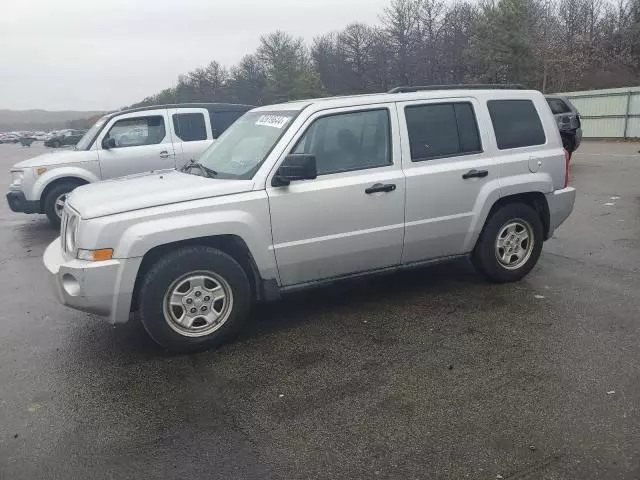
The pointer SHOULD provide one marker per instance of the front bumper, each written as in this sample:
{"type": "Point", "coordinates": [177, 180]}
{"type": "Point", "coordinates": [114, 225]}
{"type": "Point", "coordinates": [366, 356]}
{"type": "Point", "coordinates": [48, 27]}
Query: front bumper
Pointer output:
{"type": "Point", "coordinates": [102, 288]}
{"type": "Point", "coordinates": [18, 203]}
{"type": "Point", "coordinates": [560, 207]}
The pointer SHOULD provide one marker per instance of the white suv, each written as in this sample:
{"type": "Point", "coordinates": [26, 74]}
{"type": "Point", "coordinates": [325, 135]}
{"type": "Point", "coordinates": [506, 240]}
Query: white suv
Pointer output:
{"type": "Point", "coordinates": [298, 194]}
{"type": "Point", "coordinates": [122, 143]}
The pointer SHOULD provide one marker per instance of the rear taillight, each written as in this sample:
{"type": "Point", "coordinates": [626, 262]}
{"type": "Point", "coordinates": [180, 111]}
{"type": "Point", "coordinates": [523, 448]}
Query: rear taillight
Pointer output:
{"type": "Point", "coordinates": [567, 157]}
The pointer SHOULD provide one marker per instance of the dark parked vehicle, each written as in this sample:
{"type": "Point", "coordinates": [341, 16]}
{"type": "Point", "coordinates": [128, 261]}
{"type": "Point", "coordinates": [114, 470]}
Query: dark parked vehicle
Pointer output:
{"type": "Point", "coordinates": [69, 137]}
{"type": "Point", "coordinates": [568, 120]}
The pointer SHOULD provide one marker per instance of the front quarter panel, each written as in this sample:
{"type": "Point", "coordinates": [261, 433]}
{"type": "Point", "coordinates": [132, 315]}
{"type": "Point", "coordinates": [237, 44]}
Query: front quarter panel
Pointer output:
{"type": "Point", "coordinates": [133, 234]}
{"type": "Point", "coordinates": [87, 171]}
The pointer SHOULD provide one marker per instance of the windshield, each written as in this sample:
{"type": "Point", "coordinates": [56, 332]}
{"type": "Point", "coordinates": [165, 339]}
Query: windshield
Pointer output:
{"type": "Point", "coordinates": [242, 148]}
{"type": "Point", "coordinates": [87, 138]}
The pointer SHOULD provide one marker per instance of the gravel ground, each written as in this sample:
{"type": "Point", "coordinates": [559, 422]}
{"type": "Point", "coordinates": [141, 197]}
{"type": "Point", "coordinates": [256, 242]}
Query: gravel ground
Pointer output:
{"type": "Point", "coordinates": [432, 374]}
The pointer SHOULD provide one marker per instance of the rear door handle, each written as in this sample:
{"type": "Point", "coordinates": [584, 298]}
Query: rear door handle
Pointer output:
{"type": "Point", "coordinates": [164, 154]}
{"type": "Point", "coordinates": [380, 187]}
{"type": "Point", "coordinates": [475, 174]}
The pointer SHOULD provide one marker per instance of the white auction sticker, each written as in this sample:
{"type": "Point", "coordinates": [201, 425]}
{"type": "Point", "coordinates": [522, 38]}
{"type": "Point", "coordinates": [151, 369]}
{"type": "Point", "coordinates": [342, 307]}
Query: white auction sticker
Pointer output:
{"type": "Point", "coordinates": [276, 121]}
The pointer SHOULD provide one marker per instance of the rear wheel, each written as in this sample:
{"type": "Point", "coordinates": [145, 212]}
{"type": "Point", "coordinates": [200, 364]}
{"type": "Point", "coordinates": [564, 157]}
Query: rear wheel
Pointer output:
{"type": "Point", "coordinates": [194, 298]}
{"type": "Point", "coordinates": [55, 144]}
{"type": "Point", "coordinates": [54, 201]}
{"type": "Point", "coordinates": [510, 243]}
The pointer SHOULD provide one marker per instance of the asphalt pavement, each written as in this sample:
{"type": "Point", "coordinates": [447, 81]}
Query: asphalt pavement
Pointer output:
{"type": "Point", "coordinates": [431, 374]}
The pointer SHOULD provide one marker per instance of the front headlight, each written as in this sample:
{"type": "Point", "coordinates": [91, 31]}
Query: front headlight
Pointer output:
{"type": "Point", "coordinates": [70, 229]}
{"type": "Point", "coordinates": [17, 176]}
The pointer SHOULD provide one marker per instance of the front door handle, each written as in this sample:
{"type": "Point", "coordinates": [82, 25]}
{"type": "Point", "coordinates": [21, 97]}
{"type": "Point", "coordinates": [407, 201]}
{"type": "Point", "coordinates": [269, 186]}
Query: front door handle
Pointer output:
{"type": "Point", "coordinates": [164, 154]}
{"type": "Point", "coordinates": [380, 187]}
{"type": "Point", "coordinates": [475, 174]}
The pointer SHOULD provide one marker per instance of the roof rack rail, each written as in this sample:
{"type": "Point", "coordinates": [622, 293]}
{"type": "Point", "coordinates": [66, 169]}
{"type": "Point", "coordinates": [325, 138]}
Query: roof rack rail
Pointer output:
{"type": "Point", "coordinates": [487, 86]}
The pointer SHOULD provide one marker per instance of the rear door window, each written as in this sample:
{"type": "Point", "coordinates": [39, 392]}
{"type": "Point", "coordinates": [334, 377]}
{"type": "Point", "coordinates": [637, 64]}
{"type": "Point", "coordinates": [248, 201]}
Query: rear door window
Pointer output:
{"type": "Point", "coordinates": [516, 123]}
{"type": "Point", "coordinates": [442, 130]}
{"type": "Point", "coordinates": [189, 127]}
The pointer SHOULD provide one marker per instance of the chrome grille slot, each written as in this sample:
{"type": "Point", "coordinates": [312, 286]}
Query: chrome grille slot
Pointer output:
{"type": "Point", "coordinates": [63, 230]}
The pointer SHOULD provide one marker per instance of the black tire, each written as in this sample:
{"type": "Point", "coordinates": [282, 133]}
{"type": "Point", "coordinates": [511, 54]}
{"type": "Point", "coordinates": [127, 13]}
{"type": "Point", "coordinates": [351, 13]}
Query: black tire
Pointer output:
{"type": "Point", "coordinates": [50, 201]}
{"type": "Point", "coordinates": [177, 265]}
{"type": "Point", "coordinates": [55, 144]}
{"type": "Point", "coordinates": [485, 257]}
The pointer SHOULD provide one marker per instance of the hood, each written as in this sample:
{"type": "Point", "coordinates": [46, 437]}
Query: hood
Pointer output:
{"type": "Point", "coordinates": [149, 190]}
{"type": "Point", "coordinates": [58, 158]}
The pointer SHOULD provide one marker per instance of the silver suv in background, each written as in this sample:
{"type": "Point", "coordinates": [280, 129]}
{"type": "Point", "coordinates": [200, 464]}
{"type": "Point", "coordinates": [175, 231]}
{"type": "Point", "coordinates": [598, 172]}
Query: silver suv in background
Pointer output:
{"type": "Point", "coordinates": [119, 144]}
{"type": "Point", "coordinates": [568, 120]}
{"type": "Point", "coordinates": [308, 192]}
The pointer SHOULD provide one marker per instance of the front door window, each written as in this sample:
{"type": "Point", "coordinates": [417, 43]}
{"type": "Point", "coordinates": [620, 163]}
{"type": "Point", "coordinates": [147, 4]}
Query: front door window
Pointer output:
{"type": "Point", "coordinates": [134, 132]}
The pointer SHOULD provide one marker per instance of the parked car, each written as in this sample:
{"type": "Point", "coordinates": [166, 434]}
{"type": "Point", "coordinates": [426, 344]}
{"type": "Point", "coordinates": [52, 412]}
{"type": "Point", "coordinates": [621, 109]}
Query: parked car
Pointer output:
{"type": "Point", "coordinates": [66, 138]}
{"type": "Point", "coordinates": [40, 136]}
{"type": "Point", "coordinates": [119, 144]}
{"type": "Point", "coordinates": [9, 138]}
{"type": "Point", "coordinates": [568, 120]}
{"type": "Point", "coordinates": [303, 193]}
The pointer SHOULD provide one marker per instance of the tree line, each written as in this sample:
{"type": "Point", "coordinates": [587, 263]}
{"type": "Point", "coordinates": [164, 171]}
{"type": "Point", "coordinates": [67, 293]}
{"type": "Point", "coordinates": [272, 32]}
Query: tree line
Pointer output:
{"type": "Point", "coordinates": [550, 45]}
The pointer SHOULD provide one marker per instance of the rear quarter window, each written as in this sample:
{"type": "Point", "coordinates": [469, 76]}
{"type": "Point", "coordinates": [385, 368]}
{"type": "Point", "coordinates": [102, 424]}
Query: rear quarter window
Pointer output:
{"type": "Point", "coordinates": [516, 123]}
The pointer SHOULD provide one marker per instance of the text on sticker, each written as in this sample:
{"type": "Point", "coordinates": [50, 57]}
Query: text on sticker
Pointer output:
{"type": "Point", "coordinates": [276, 121]}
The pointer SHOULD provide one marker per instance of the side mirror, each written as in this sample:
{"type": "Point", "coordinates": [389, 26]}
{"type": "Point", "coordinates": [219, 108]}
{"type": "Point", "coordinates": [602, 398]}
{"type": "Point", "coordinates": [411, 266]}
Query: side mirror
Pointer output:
{"type": "Point", "coordinates": [296, 166]}
{"type": "Point", "coordinates": [108, 143]}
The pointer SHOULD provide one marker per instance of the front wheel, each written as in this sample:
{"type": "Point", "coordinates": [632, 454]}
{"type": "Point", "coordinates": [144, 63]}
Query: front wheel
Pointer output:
{"type": "Point", "coordinates": [54, 201]}
{"type": "Point", "coordinates": [510, 243]}
{"type": "Point", "coordinates": [194, 298]}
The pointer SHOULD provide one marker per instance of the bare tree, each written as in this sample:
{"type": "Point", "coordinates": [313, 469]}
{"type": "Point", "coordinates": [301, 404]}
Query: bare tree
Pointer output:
{"type": "Point", "coordinates": [355, 42]}
{"type": "Point", "coordinates": [401, 23]}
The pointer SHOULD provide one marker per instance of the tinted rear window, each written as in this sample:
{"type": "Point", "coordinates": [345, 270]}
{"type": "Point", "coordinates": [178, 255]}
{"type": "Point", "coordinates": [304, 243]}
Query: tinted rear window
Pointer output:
{"type": "Point", "coordinates": [442, 130]}
{"type": "Point", "coordinates": [516, 123]}
{"type": "Point", "coordinates": [190, 127]}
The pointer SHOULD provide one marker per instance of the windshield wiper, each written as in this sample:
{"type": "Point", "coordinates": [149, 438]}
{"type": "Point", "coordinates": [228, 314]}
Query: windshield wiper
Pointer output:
{"type": "Point", "coordinates": [208, 172]}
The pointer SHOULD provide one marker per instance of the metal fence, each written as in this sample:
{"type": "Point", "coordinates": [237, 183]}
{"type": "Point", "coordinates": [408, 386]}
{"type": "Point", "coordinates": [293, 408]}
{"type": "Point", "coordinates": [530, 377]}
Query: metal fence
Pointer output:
{"type": "Point", "coordinates": [611, 113]}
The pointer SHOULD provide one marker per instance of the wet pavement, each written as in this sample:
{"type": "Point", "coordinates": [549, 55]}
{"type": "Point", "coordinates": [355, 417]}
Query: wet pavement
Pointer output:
{"type": "Point", "coordinates": [428, 374]}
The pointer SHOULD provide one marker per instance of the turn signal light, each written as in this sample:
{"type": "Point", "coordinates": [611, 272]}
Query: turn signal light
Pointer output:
{"type": "Point", "coordinates": [40, 170]}
{"type": "Point", "coordinates": [96, 255]}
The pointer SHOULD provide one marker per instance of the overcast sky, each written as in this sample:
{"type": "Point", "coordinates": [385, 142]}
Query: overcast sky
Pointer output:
{"type": "Point", "coordinates": [105, 54]}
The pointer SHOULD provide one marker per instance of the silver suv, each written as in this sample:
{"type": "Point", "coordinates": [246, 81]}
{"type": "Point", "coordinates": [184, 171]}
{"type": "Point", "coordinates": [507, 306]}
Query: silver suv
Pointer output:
{"type": "Point", "coordinates": [299, 194]}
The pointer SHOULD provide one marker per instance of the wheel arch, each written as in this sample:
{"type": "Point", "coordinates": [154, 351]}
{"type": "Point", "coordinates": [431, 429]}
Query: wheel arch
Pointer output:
{"type": "Point", "coordinates": [231, 244]}
{"type": "Point", "coordinates": [536, 200]}
{"type": "Point", "coordinates": [78, 181]}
